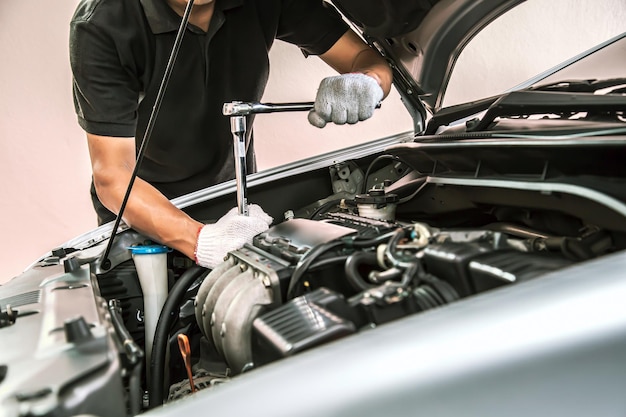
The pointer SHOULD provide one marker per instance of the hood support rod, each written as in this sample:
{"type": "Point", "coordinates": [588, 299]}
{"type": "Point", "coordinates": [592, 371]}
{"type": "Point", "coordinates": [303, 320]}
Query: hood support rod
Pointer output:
{"type": "Point", "coordinates": [105, 262]}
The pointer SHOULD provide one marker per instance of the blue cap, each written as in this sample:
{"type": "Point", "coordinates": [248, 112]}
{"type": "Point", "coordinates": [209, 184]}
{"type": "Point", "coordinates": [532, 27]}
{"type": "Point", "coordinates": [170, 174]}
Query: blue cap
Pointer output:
{"type": "Point", "coordinates": [149, 249]}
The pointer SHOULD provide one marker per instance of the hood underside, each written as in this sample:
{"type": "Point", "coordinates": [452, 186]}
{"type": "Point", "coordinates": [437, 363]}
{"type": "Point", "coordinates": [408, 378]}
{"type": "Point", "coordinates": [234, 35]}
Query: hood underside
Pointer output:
{"type": "Point", "coordinates": [423, 38]}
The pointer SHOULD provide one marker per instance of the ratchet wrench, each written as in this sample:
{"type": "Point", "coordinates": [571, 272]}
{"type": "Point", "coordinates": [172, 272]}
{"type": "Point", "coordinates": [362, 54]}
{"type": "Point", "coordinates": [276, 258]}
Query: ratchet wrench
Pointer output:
{"type": "Point", "coordinates": [238, 110]}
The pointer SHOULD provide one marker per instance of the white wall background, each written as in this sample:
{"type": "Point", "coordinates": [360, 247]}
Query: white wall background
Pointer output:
{"type": "Point", "coordinates": [44, 166]}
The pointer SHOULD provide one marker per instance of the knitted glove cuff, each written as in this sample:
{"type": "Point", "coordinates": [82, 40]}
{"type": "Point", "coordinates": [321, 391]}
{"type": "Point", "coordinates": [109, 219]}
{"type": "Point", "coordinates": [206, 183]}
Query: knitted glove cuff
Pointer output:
{"type": "Point", "coordinates": [229, 233]}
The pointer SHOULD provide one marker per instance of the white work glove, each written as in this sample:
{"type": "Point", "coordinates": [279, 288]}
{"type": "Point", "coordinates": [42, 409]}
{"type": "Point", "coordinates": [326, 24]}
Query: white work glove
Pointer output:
{"type": "Point", "coordinates": [347, 98]}
{"type": "Point", "coordinates": [229, 233]}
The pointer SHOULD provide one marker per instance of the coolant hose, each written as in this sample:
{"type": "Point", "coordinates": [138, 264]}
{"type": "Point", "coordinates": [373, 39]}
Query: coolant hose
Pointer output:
{"type": "Point", "coordinates": [306, 261]}
{"type": "Point", "coordinates": [135, 393]}
{"type": "Point", "coordinates": [352, 269]}
{"type": "Point", "coordinates": [134, 354]}
{"type": "Point", "coordinates": [368, 243]}
{"type": "Point", "coordinates": [166, 319]}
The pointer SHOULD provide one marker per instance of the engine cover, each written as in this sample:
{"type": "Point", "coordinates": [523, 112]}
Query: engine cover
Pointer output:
{"type": "Point", "coordinates": [350, 258]}
{"type": "Point", "coordinates": [254, 279]}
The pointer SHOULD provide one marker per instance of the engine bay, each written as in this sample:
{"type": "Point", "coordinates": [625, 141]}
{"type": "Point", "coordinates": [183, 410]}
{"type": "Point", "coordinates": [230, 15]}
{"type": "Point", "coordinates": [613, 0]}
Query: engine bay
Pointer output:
{"type": "Point", "coordinates": [341, 265]}
{"type": "Point", "coordinates": [355, 246]}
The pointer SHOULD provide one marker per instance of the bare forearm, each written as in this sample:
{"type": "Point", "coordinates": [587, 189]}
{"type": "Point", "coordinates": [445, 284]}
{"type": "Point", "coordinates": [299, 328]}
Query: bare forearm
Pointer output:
{"type": "Point", "coordinates": [151, 213]}
{"type": "Point", "coordinates": [369, 62]}
{"type": "Point", "coordinates": [147, 211]}
{"type": "Point", "coordinates": [351, 54]}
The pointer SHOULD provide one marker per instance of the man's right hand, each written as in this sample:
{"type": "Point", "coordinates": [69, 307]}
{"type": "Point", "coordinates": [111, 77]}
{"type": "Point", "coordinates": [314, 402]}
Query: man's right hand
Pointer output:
{"type": "Point", "coordinates": [229, 233]}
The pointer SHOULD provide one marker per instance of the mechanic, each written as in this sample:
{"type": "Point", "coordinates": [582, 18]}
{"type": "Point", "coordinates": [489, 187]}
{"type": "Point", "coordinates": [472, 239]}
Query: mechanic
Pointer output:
{"type": "Point", "coordinates": [118, 53]}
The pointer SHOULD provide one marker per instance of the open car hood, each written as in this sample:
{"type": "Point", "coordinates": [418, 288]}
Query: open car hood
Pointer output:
{"type": "Point", "coordinates": [422, 39]}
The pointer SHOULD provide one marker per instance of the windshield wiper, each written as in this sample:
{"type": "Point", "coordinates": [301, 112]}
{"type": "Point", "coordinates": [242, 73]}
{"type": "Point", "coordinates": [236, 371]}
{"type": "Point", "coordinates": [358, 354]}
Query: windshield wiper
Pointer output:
{"type": "Point", "coordinates": [526, 103]}
{"type": "Point", "coordinates": [530, 102]}
{"type": "Point", "coordinates": [583, 86]}
{"type": "Point", "coordinates": [451, 114]}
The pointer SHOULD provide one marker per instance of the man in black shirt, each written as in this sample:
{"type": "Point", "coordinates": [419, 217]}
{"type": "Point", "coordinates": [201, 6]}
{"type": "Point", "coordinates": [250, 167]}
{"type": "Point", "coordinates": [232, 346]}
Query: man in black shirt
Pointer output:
{"type": "Point", "coordinates": [119, 49]}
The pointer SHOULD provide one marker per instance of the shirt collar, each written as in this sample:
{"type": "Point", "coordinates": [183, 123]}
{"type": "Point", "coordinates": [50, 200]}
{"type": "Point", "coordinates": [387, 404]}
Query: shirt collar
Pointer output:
{"type": "Point", "coordinates": [162, 18]}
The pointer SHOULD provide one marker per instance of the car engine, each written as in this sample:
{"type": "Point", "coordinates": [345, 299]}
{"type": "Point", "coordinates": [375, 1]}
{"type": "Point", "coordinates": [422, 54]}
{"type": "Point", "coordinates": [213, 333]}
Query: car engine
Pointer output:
{"type": "Point", "coordinates": [348, 263]}
{"type": "Point", "coordinates": [306, 282]}
{"type": "Point", "coordinates": [384, 244]}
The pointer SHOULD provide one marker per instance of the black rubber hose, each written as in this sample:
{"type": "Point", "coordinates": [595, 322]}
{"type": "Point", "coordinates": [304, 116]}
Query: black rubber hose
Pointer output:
{"type": "Point", "coordinates": [367, 243]}
{"type": "Point", "coordinates": [134, 354]}
{"type": "Point", "coordinates": [305, 262]}
{"type": "Point", "coordinates": [166, 319]}
{"type": "Point", "coordinates": [351, 268]}
{"type": "Point", "coordinates": [135, 393]}
{"type": "Point", "coordinates": [325, 206]}
{"type": "Point", "coordinates": [328, 261]}
{"type": "Point", "coordinates": [394, 158]}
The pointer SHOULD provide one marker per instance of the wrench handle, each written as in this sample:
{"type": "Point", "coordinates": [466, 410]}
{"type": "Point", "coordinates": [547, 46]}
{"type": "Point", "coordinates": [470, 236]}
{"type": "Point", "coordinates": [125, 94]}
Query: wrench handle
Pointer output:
{"type": "Point", "coordinates": [238, 128]}
{"type": "Point", "coordinates": [239, 108]}
{"type": "Point", "coordinates": [238, 111]}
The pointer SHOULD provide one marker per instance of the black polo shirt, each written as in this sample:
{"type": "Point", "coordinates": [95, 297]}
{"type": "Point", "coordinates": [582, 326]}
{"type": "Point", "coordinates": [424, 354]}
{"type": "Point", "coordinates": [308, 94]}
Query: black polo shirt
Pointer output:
{"type": "Point", "coordinates": [119, 50]}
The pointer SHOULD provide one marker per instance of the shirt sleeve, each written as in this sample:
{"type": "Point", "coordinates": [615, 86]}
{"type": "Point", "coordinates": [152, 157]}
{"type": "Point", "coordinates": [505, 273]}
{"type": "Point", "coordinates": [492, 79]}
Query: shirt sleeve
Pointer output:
{"type": "Point", "coordinates": [105, 93]}
{"type": "Point", "coordinates": [313, 25]}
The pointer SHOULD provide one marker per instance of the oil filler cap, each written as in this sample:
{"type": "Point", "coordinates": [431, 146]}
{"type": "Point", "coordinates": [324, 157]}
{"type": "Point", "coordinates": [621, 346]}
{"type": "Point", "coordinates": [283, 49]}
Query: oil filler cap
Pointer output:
{"type": "Point", "coordinates": [376, 197]}
{"type": "Point", "coordinates": [376, 204]}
